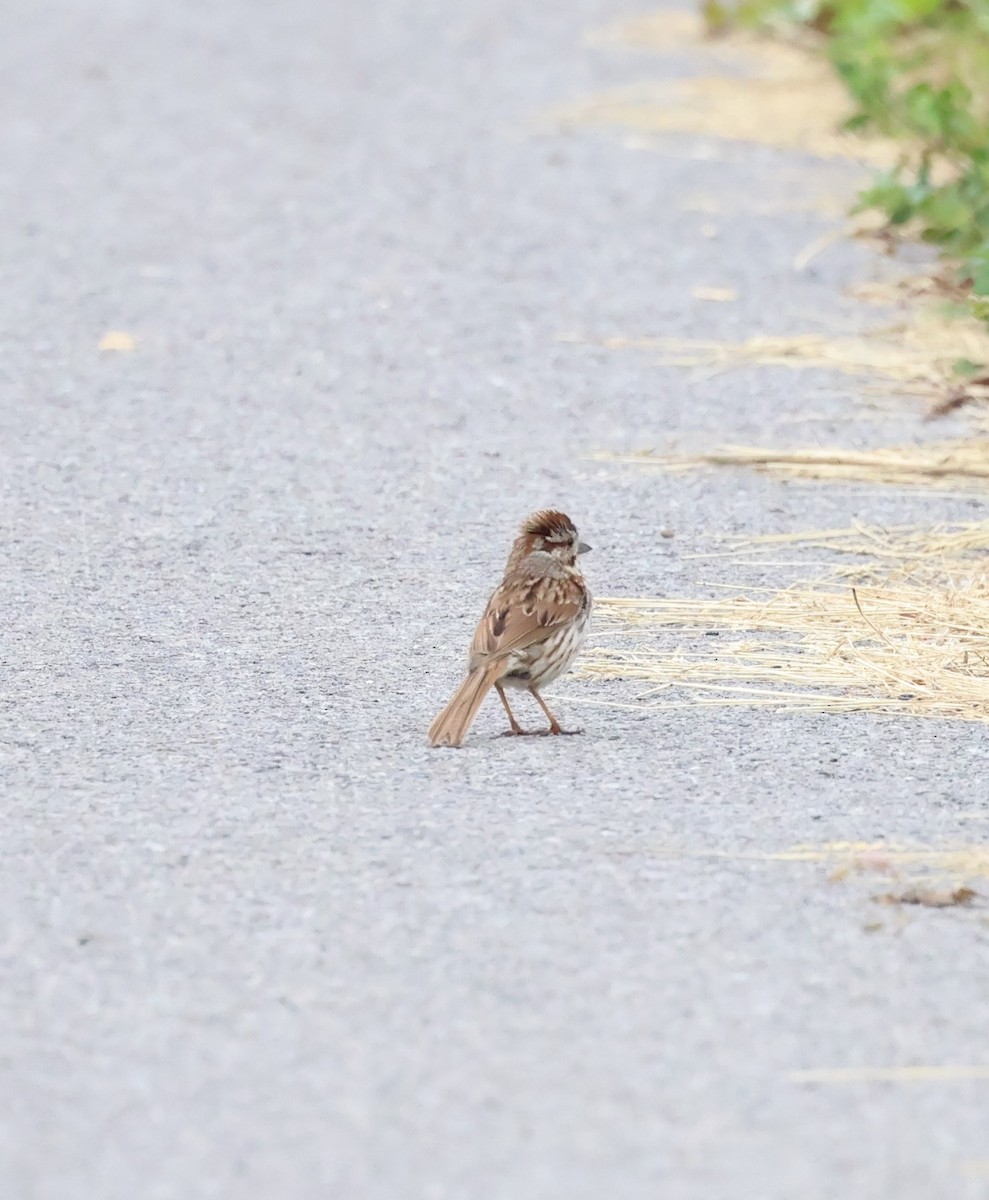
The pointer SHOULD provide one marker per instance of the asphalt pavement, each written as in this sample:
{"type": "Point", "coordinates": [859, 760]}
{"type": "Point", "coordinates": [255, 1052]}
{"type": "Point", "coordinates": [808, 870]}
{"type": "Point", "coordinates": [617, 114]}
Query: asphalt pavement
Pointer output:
{"type": "Point", "coordinates": [258, 940]}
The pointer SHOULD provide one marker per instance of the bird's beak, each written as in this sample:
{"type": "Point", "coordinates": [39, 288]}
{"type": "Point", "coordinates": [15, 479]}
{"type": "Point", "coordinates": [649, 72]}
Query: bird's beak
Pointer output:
{"type": "Point", "coordinates": [582, 547]}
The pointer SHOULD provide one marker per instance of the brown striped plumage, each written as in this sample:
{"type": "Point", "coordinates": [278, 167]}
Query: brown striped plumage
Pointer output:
{"type": "Point", "coordinates": [532, 629]}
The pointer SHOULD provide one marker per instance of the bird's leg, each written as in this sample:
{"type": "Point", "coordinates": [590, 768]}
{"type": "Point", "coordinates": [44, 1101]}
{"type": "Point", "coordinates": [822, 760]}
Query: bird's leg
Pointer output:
{"type": "Point", "coordinates": [516, 727]}
{"type": "Point", "coordinates": [554, 724]}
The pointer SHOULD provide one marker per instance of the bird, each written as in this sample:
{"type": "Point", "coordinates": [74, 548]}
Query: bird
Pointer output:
{"type": "Point", "coordinates": [532, 629]}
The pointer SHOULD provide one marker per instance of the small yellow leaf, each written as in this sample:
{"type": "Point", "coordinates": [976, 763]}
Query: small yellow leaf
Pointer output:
{"type": "Point", "coordinates": [722, 294]}
{"type": "Point", "coordinates": [116, 339]}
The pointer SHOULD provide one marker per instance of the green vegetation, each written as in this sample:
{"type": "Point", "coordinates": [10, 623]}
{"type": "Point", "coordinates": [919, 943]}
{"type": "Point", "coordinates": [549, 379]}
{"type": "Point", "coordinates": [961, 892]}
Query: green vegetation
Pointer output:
{"type": "Point", "coordinates": [919, 72]}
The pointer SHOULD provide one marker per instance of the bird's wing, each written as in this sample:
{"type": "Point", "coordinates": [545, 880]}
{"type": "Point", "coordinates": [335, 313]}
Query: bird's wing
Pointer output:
{"type": "Point", "coordinates": [525, 611]}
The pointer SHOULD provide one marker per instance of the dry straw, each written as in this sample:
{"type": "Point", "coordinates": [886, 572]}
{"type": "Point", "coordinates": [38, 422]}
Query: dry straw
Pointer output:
{"type": "Point", "coordinates": [916, 644]}
{"type": "Point", "coordinates": [916, 867]}
{"type": "Point", "coordinates": [960, 465]}
{"type": "Point", "coordinates": [923, 350]}
{"type": "Point", "coordinates": [928, 554]}
{"type": "Point", "coordinates": [769, 92]}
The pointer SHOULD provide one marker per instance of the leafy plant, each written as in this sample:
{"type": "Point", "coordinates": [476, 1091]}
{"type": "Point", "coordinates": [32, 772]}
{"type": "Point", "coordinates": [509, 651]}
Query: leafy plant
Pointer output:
{"type": "Point", "coordinates": [919, 72]}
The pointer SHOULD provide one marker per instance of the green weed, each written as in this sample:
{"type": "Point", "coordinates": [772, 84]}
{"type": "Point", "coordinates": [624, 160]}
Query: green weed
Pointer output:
{"type": "Point", "coordinates": [919, 72]}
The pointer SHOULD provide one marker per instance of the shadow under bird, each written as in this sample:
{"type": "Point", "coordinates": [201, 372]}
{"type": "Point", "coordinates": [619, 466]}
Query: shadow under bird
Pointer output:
{"type": "Point", "coordinates": [532, 629]}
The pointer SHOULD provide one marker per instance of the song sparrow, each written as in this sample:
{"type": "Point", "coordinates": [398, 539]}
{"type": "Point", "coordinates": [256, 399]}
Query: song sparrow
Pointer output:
{"type": "Point", "coordinates": [532, 629]}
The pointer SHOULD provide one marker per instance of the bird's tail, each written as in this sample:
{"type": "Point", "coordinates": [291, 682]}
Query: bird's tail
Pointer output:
{"type": "Point", "coordinates": [450, 727]}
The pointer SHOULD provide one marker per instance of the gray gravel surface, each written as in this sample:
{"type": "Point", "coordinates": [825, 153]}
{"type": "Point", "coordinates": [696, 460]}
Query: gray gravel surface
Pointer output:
{"type": "Point", "coordinates": [258, 940]}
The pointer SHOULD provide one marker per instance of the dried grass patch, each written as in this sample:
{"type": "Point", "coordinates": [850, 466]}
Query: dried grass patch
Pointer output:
{"type": "Point", "coordinates": [924, 876]}
{"type": "Point", "coordinates": [770, 112]}
{"type": "Point", "coordinates": [959, 465]}
{"type": "Point", "coordinates": [958, 897]}
{"type": "Point", "coordinates": [768, 92]}
{"type": "Point", "coordinates": [908, 289]}
{"type": "Point", "coordinates": [924, 866]}
{"type": "Point", "coordinates": [913, 643]}
{"type": "Point", "coordinates": [921, 351]}
{"type": "Point", "coordinates": [933, 555]}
